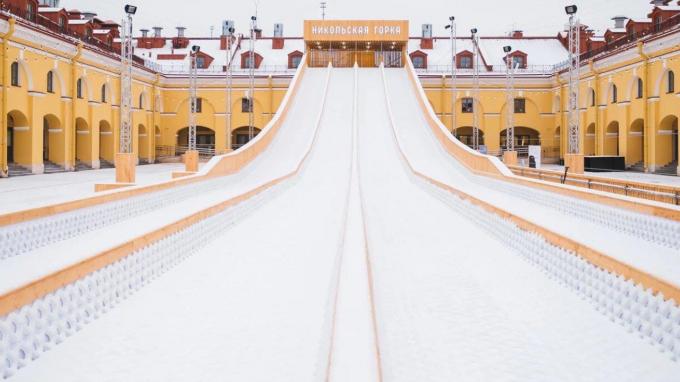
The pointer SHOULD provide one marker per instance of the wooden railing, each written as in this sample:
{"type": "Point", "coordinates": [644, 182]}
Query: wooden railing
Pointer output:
{"type": "Point", "coordinates": [648, 191]}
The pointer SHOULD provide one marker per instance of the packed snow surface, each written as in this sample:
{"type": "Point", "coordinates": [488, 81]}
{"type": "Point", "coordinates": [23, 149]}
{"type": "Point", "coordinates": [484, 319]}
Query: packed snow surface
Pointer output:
{"type": "Point", "coordinates": [293, 290]}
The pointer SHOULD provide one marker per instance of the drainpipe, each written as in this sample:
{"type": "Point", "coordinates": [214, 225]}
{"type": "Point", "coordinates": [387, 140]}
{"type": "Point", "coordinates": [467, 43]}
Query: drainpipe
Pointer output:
{"type": "Point", "coordinates": [645, 107]}
{"type": "Point", "coordinates": [74, 97]}
{"type": "Point", "coordinates": [4, 168]}
{"type": "Point", "coordinates": [151, 132]}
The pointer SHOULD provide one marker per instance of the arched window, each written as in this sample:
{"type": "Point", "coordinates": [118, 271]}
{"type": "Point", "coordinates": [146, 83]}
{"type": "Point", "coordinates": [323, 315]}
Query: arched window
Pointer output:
{"type": "Point", "coordinates": [615, 94]}
{"type": "Point", "coordinates": [670, 86]}
{"type": "Point", "coordinates": [15, 74]}
{"type": "Point", "coordinates": [640, 88]}
{"type": "Point", "coordinates": [141, 101]}
{"type": "Point", "coordinates": [103, 93]}
{"type": "Point", "coordinates": [50, 82]}
{"type": "Point", "coordinates": [591, 95]}
{"type": "Point", "coordinates": [79, 88]}
{"type": "Point", "coordinates": [418, 62]}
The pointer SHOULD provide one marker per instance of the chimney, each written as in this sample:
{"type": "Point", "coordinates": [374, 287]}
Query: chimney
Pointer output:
{"type": "Point", "coordinates": [180, 31]}
{"type": "Point", "coordinates": [658, 3]}
{"type": "Point", "coordinates": [426, 40]}
{"type": "Point", "coordinates": [145, 33]}
{"type": "Point", "coordinates": [157, 32]}
{"type": "Point", "coordinates": [278, 42]}
{"type": "Point", "coordinates": [620, 22]}
{"type": "Point", "coordinates": [517, 34]}
{"type": "Point", "coordinates": [88, 15]}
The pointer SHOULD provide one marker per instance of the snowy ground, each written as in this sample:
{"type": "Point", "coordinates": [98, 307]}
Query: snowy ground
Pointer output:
{"type": "Point", "coordinates": [301, 290]}
{"type": "Point", "coordinates": [628, 175]}
{"type": "Point", "coordinates": [24, 192]}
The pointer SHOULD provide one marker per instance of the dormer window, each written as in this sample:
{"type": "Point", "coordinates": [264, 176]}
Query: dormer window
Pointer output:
{"type": "Point", "coordinates": [62, 24]}
{"type": "Point", "coordinates": [465, 62]}
{"type": "Point", "coordinates": [419, 59]}
{"type": "Point", "coordinates": [518, 62]}
{"type": "Point", "coordinates": [200, 62]}
{"type": "Point", "coordinates": [30, 11]}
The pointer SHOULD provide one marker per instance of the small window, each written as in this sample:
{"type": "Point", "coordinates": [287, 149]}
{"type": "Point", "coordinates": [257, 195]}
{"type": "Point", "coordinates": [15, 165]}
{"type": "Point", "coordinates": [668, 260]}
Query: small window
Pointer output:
{"type": "Point", "coordinates": [465, 62]}
{"type": "Point", "coordinates": [141, 101]}
{"type": "Point", "coordinates": [419, 62]}
{"type": "Point", "coordinates": [62, 24]}
{"type": "Point", "coordinates": [200, 62]}
{"type": "Point", "coordinates": [657, 23]}
{"type": "Point", "coordinates": [15, 74]}
{"type": "Point", "coordinates": [615, 94]}
{"type": "Point", "coordinates": [670, 86]}
{"type": "Point", "coordinates": [246, 105]}
{"type": "Point", "coordinates": [199, 105]}
{"type": "Point", "coordinates": [103, 93]}
{"type": "Point", "coordinates": [50, 82]}
{"type": "Point", "coordinates": [249, 62]}
{"type": "Point", "coordinates": [640, 88]}
{"type": "Point", "coordinates": [295, 61]}
{"type": "Point", "coordinates": [518, 62]}
{"type": "Point", "coordinates": [30, 11]}
{"type": "Point", "coordinates": [520, 105]}
{"type": "Point", "coordinates": [79, 88]}
{"type": "Point", "coordinates": [467, 105]}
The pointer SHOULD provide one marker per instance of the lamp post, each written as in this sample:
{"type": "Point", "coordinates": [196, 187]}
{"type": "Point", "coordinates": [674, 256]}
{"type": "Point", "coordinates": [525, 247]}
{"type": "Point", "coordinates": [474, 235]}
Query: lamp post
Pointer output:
{"type": "Point", "coordinates": [191, 155]}
{"type": "Point", "coordinates": [510, 155]}
{"type": "Point", "coordinates": [228, 63]}
{"type": "Point", "coordinates": [125, 158]}
{"type": "Point", "coordinates": [574, 157]}
{"type": "Point", "coordinates": [454, 79]}
{"type": "Point", "coordinates": [475, 84]}
{"type": "Point", "coordinates": [251, 76]}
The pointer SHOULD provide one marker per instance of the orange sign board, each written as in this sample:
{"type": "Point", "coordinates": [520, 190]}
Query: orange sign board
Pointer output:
{"type": "Point", "coordinates": [356, 30]}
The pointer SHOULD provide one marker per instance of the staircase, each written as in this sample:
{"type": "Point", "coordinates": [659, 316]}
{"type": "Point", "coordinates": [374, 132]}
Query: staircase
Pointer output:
{"type": "Point", "coordinates": [669, 169]}
{"type": "Point", "coordinates": [637, 167]}
{"type": "Point", "coordinates": [17, 170]}
{"type": "Point", "coordinates": [51, 167]}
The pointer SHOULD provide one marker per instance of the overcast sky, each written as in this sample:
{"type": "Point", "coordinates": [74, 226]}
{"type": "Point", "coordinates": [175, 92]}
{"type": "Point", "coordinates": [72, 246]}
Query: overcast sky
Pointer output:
{"type": "Point", "coordinates": [491, 17]}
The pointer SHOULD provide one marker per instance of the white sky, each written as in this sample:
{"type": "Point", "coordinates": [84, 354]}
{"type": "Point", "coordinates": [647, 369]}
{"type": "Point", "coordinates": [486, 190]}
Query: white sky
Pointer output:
{"type": "Point", "coordinates": [491, 17]}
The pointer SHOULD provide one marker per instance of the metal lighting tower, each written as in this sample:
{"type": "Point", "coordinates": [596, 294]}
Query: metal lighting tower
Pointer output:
{"type": "Point", "coordinates": [454, 74]}
{"type": "Point", "coordinates": [228, 63]}
{"type": "Point", "coordinates": [323, 5]}
{"type": "Point", "coordinates": [510, 101]}
{"type": "Point", "coordinates": [126, 82]}
{"type": "Point", "coordinates": [475, 84]}
{"type": "Point", "coordinates": [193, 99]}
{"type": "Point", "coordinates": [574, 70]}
{"type": "Point", "coordinates": [251, 77]}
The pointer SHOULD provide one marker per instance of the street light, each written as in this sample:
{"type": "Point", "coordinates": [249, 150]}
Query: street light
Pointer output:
{"type": "Point", "coordinates": [509, 105]}
{"type": "Point", "coordinates": [454, 67]}
{"type": "Point", "coordinates": [125, 163]}
{"type": "Point", "coordinates": [571, 9]}
{"type": "Point", "coordinates": [195, 49]}
{"type": "Point", "coordinates": [130, 9]}
{"type": "Point", "coordinates": [228, 63]}
{"type": "Point", "coordinates": [476, 94]}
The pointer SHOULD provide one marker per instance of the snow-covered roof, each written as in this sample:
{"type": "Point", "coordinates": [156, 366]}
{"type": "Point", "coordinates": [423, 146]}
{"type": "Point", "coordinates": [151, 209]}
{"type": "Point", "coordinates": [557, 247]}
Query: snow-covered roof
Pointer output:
{"type": "Point", "coordinates": [669, 7]}
{"type": "Point", "coordinates": [440, 55]}
{"type": "Point", "coordinates": [540, 51]}
{"type": "Point", "coordinates": [49, 10]}
{"type": "Point", "coordinates": [597, 39]}
{"type": "Point", "coordinates": [78, 22]}
{"type": "Point", "coordinates": [101, 31]}
{"type": "Point", "coordinates": [270, 57]}
{"type": "Point", "coordinates": [617, 30]}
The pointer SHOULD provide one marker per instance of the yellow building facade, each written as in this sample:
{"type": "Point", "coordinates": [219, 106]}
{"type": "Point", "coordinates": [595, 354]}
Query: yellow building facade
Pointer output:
{"type": "Point", "coordinates": [60, 105]}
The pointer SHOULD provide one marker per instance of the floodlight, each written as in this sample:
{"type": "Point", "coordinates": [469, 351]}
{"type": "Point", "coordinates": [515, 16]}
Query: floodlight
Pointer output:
{"type": "Point", "coordinates": [232, 30]}
{"type": "Point", "coordinates": [474, 30]}
{"type": "Point", "coordinates": [253, 18]}
{"type": "Point", "coordinates": [507, 49]}
{"type": "Point", "coordinates": [571, 9]}
{"type": "Point", "coordinates": [195, 49]}
{"type": "Point", "coordinates": [448, 26]}
{"type": "Point", "coordinates": [451, 18]}
{"type": "Point", "coordinates": [130, 9]}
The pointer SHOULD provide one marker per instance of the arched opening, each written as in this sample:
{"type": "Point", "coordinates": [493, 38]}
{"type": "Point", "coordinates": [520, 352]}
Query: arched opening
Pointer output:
{"type": "Point", "coordinates": [143, 142]}
{"type": "Point", "coordinates": [635, 147]}
{"type": "Point", "coordinates": [667, 145]}
{"type": "Point", "coordinates": [53, 141]}
{"type": "Point", "coordinates": [83, 144]}
{"type": "Point", "coordinates": [465, 135]}
{"type": "Point", "coordinates": [589, 141]}
{"type": "Point", "coordinates": [241, 136]}
{"type": "Point", "coordinates": [611, 139]}
{"type": "Point", "coordinates": [157, 136]}
{"type": "Point", "coordinates": [19, 147]}
{"type": "Point", "coordinates": [524, 137]}
{"type": "Point", "coordinates": [205, 140]}
{"type": "Point", "coordinates": [106, 148]}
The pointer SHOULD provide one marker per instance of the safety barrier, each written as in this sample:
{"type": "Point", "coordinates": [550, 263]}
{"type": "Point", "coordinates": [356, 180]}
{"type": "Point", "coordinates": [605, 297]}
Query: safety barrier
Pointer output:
{"type": "Point", "coordinates": [636, 300]}
{"type": "Point", "coordinates": [218, 166]}
{"type": "Point", "coordinates": [492, 167]}
{"type": "Point", "coordinates": [656, 192]}
{"type": "Point", "coordinates": [35, 317]}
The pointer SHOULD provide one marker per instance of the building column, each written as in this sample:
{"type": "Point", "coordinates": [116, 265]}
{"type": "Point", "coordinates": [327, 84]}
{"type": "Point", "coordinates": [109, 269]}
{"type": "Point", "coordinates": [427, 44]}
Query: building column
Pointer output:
{"type": "Point", "coordinates": [651, 127]}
